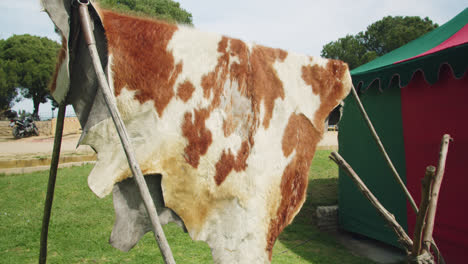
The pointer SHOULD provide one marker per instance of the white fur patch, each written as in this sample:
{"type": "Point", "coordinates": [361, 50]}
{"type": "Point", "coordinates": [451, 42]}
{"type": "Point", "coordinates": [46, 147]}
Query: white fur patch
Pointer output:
{"type": "Point", "coordinates": [198, 53]}
{"type": "Point", "coordinates": [299, 97]}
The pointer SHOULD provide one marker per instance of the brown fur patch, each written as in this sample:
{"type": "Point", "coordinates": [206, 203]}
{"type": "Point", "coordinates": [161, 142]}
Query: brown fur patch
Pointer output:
{"type": "Point", "coordinates": [232, 67]}
{"type": "Point", "coordinates": [141, 61]}
{"type": "Point", "coordinates": [228, 162]}
{"type": "Point", "coordinates": [230, 122]}
{"type": "Point", "coordinates": [185, 91]}
{"type": "Point", "coordinates": [301, 136]}
{"type": "Point", "coordinates": [227, 70]}
{"type": "Point", "coordinates": [326, 82]}
{"type": "Point", "coordinates": [61, 57]}
{"type": "Point", "coordinates": [265, 83]}
{"type": "Point", "coordinates": [257, 81]}
{"type": "Point", "coordinates": [198, 136]}
{"type": "Point", "coordinates": [213, 82]}
{"type": "Point", "coordinates": [239, 70]}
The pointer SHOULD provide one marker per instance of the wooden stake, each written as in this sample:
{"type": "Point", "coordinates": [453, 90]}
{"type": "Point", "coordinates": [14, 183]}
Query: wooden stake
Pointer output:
{"type": "Point", "coordinates": [124, 138]}
{"type": "Point", "coordinates": [390, 164]}
{"type": "Point", "coordinates": [420, 220]}
{"type": "Point", "coordinates": [431, 211]}
{"type": "Point", "coordinates": [51, 183]}
{"type": "Point", "coordinates": [404, 239]}
{"type": "Point", "coordinates": [383, 151]}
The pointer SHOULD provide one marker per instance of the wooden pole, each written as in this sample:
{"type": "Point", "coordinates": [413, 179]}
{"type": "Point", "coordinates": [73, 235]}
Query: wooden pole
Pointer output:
{"type": "Point", "coordinates": [383, 151]}
{"type": "Point", "coordinates": [51, 183]}
{"type": "Point", "coordinates": [431, 211]}
{"type": "Point", "coordinates": [390, 164]}
{"type": "Point", "coordinates": [124, 138]}
{"type": "Point", "coordinates": [420, 220]}
{"type": "Point", "coordinates": [404, 239]}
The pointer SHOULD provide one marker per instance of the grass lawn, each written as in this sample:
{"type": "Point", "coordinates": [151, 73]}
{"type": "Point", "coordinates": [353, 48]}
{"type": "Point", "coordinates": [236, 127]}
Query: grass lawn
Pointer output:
{"type": "Point", "coordinates": [81, 224]}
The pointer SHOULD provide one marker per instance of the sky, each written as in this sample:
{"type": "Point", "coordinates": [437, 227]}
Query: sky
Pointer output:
{"type": "Point", "coordinates": [302, 26]}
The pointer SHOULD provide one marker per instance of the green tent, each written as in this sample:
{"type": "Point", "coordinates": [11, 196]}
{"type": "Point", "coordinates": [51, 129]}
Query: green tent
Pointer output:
{"type": "Point", "coordinates": [413, 95]}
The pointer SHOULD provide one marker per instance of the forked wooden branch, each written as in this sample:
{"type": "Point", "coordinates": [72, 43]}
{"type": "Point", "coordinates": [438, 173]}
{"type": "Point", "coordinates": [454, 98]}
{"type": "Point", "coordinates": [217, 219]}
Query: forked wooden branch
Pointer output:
{"type": "Point", "coordinates": [124, 138]}
{"type": "Point", "coordinates": [431, 211]}
{"type": "Point", "coordinates": [420, 220]}
{"type": "Point", "coordinates": [404, 239]}
{"type": "Point", "coordinates": [389, 162]}
{"type": "Point", "coordinates": [423, 241]}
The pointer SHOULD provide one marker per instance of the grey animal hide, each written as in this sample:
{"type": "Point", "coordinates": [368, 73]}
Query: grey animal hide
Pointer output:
{"type": "Point", "coordinates": [131, 218]}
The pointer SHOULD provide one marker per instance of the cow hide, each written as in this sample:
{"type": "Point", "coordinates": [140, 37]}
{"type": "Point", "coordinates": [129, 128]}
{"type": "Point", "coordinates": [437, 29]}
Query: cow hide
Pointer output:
{"type": "Point", "coordinates": [227, 129]}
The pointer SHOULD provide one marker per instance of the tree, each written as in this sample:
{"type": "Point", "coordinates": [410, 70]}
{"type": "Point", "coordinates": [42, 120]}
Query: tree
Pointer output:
{"type": "Point", "coordinates": [163, 9]}
{"type": "Point", "coordinates": [7, 92]}
{"type": "Point", "coordinates": [349, 49]}
{"type": "Point", "coordinates": [380, 38]}
{"type": "Point", "coordinates": [28, 62]}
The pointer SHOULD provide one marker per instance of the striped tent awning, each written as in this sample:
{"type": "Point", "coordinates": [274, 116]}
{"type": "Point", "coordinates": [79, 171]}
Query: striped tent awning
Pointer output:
{"type": "Point", "coordinates": [425, 54]}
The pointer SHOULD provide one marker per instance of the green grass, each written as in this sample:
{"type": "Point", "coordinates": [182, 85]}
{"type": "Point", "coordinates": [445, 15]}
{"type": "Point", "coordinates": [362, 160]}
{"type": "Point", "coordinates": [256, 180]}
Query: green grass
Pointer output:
{"type": "Point", "coordinates": [81, 224]}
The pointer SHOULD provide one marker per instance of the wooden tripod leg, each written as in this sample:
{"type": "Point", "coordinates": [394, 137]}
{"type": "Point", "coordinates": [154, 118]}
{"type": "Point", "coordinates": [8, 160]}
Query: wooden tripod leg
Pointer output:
{"type": "Point", "coordinates": [124, 137]}
{"type": "Point", "coordinates": [51, 184]}
{"type": "Point", "coordinates": [383, 151]}
{"type": "Point", "coordinates": [403, 238]}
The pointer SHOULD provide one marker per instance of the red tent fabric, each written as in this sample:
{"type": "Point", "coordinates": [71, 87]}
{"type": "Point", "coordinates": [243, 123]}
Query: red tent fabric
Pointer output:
{"type": "Point", "coordinates": [433, 76]}
{"type": "Point", "coordinates": [459, 38]}
{"type": "Point", "coordinates": [428, 112]}
{"type": "Point", "coordinates": [447, 44]}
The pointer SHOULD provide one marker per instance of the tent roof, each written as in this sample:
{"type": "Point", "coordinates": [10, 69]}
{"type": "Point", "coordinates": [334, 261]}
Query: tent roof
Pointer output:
{"type": "Point", "coordinates": [447, 44]}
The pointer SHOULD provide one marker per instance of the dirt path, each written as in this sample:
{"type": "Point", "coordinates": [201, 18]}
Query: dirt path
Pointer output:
{"type": "Point", "coordinates": [40, 146]}
{"type": "Point", "coordinates": [329, 141]}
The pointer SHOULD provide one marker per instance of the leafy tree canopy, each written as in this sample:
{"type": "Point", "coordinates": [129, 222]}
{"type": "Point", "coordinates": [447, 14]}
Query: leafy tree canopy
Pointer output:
{"type": "Point", "coordinates": [7, 91]}
{"type": "Point", "coordinates": [380, 38]}
{"type": "Point", "coordinates": [163, 9]}
{"type": "Point", "coordinates": [27, 62]}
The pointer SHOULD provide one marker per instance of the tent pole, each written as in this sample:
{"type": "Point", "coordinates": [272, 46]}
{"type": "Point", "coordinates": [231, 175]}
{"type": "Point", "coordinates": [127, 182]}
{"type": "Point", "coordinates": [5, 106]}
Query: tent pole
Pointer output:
{"type": "Point", "coordinates": [383, 151]}
{"type": "Point", "coordinates": [390, 164]}
{"type": "Point", "coordinates": [124, 138]}
{"type": "Point", "coordinates": [403, 238]}
{"type": "Point", "coordinates": [51, 184]}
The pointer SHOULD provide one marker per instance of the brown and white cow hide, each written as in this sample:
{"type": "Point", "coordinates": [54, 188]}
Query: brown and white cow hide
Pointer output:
{"type": "Point", "coordinates": [228, 128]}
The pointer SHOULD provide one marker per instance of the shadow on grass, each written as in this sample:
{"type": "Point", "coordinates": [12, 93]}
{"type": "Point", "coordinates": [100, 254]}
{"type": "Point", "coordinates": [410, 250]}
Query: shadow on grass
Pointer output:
{"type": "Point", "coordinates": [303, 239]}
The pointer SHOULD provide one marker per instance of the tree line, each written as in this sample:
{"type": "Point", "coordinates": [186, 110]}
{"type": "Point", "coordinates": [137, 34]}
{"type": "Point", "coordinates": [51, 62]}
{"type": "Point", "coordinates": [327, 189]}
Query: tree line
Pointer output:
{"type": "Point", "coordinates": [380, 38]}
{"type": "Point", "coordinates": [27, 62]}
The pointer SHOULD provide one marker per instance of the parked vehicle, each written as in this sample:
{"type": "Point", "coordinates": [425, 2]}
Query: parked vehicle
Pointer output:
{"type": "Point", "coordinates": [24, 128]}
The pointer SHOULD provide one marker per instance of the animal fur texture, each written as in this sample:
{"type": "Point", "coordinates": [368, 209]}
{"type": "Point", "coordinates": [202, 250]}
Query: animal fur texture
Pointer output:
{"type": "Point", "coordinates": [230, 127]}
